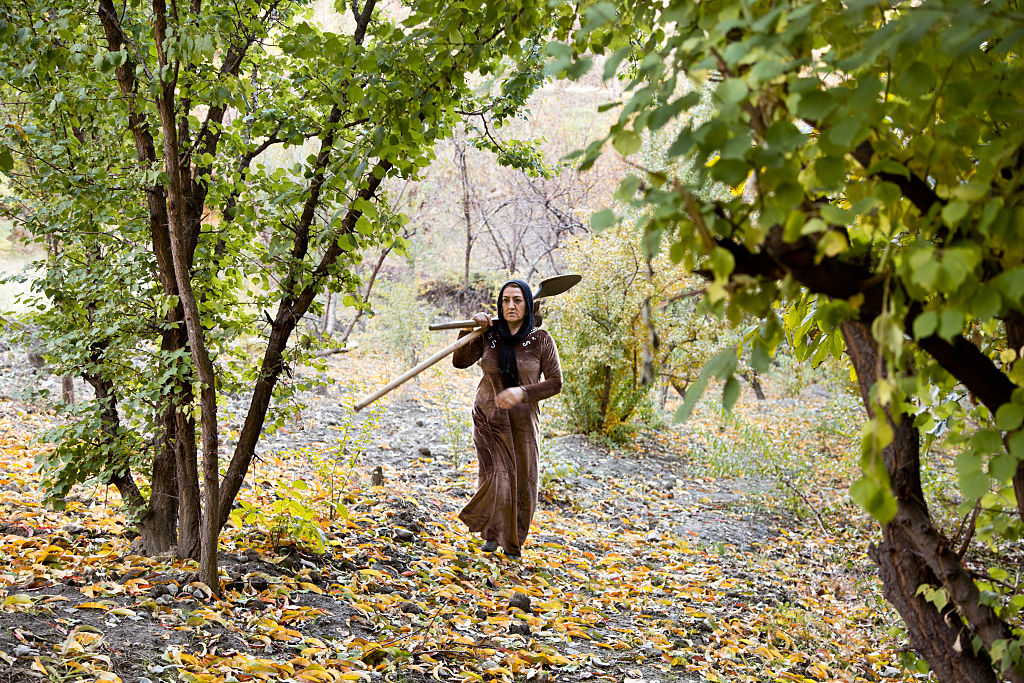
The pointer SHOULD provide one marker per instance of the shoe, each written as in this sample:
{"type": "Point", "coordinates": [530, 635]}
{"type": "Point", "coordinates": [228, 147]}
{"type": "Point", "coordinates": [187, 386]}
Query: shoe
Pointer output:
{"type": "Point", "coordinates": [490, 546]}
{"type": "Point", "coordinates": [513, 554]}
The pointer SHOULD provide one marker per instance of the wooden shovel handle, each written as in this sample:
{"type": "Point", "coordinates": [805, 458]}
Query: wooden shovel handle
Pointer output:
{"type": "Point", "coordinates": [398, 381]}
{"type": "Point", "coordinates": [458, 324]}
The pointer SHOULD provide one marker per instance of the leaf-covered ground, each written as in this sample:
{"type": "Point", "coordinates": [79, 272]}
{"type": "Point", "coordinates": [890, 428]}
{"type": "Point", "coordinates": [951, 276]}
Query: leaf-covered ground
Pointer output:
{"type": "Point", "coordinates": [720, 550]}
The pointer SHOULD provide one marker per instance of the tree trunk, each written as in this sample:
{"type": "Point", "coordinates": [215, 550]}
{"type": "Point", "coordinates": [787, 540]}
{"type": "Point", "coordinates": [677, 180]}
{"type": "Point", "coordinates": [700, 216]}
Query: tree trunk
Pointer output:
{"type": "Point", "coordinates": [606, 395]}
{"type": "Point", "coordinates": [173, 491]}
{"type": "Point", "coordinates": [67, 390]}
{"type": "Point", "coordinates": [366, 297]}
{"type": "Point", "coordinates": [460, 152]}
{"type": "Point", "coordinates": [329, 320]}
{"type": "Point", "coordinates": [751, 378]}
{"type": "Point", "coordinates": [177, 207]}
{"type": "Point", "coordinates": [914, 552]}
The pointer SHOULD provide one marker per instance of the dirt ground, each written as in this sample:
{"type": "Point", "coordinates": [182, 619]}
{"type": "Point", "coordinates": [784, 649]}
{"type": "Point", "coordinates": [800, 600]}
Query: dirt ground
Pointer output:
{"type": "Point", "coordinates": [637, 502]}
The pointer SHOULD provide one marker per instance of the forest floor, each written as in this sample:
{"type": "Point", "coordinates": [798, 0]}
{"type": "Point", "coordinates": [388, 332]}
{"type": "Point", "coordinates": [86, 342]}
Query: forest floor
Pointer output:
{"type": "Point", "coordinates": [721, 549]}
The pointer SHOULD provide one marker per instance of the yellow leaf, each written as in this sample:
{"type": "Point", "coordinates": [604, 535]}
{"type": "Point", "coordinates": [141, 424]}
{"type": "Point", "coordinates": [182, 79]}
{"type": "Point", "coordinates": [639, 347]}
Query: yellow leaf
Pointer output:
{"type": "Point", "coordinates": [93, 605]}
{"type": "Point", "coordinates": [6, 657]}
{"type": "Point", "coordinates": [18, 599]}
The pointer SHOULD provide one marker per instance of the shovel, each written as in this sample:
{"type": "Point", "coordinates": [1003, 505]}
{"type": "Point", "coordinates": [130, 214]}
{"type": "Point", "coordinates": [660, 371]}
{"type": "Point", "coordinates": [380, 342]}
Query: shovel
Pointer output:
{"type": "Point", "coordinates": [549, 287]}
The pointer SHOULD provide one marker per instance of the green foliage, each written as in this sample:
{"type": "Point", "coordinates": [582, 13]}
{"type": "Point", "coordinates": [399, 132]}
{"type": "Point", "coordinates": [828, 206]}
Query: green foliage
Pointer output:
{"type": "Point", "coordinates": [400, 320]}
{"type": "Point", "coordinates": [874, 156]}
{"type": "Point", "coordinates": [292, 515]}
{"type": "Point", "coordinates": [283, 129]}
{"type": "Point", "coordinates": [557, 473]}
{"type": "Point", "coordinates": [601, 336]}
{"type": "Point", "coordinates": [603, 331]}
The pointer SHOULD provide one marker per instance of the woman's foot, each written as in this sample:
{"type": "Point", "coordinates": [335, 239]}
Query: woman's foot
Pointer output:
{"type": "Point", "coordinates": [490, 546]}
{"type": "Point", "coordinates": [513, 554]}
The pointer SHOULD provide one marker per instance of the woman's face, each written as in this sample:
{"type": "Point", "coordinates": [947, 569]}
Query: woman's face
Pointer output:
{"type": "Point", "coordinates": [513, 305]}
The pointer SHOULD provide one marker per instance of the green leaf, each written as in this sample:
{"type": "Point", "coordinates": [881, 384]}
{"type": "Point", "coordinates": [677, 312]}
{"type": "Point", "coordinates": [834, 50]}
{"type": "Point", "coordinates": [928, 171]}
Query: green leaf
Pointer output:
{"type": "Point", "coordinates": [986, 302]}
{"type": "Point", "coordinates": [954, 212]}
{"type": "Point", "coordinates": [1003, 467]}
{"type": "Point", "coordinates": [722, 263]}
{"type": "Point", "coordinates": [693, 394]}
{"type": "Point", "coordinates": [6, 160]}
{"type": "Point", "coordinates": [722, 365]}
{"type": "Point", "coordinates": [1016, 446]}
{"type": "Point", "coordinates": [626, 142]}
{"type": "Point", "coordinates": [974, 485]}
{"type": "Point", "coordinates": [1009, 416]}
{"type": "Point", "coordinates": [602, 220]}
{"type": "Point", "coordinates": [730, 392]}
{"type": "Point", "coordinates": [874, 497]}
{"type": "Point", "coordinates": [731, 91]}
{"type": "Point", "coordinates": [759, 357]}
{"type": "Point", "coordinates": [951, 322]}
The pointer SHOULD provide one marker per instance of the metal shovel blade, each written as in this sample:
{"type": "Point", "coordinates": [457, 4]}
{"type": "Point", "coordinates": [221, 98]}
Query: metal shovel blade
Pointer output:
{"type": "Point", "coordinates": [556, 285]}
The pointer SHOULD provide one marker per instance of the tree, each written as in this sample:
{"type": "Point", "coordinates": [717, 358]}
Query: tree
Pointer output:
{"type": "Point", "coordinates": [876, 156]}
{"type": "Point", "coordinates": [137, 140]}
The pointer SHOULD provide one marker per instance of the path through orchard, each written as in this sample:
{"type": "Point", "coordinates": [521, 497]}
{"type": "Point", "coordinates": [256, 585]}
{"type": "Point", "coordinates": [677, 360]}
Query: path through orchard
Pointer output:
{"type": "Point", "coordinates": [645, 563]}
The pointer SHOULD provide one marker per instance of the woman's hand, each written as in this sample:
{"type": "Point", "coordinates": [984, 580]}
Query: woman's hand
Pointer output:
{"type": "Point", "coordinates": [510, 398]}
{"type": "Point", "coordinates": [482, 320]}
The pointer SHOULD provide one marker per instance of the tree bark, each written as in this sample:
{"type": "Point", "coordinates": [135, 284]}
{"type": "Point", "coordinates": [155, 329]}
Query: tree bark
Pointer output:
{"type": "Point", "coordinates": [178, 442]}
{"type": "Point", "coordinates": [1015, 340]}
{"type": "Point", "coordinates": [329, 312]}
{"type": "Point", "coordinates": [67, 390]}
{"type": "Point", "coordinates": [751, 378]}
{"type": "Point", "coordinates": [178, 230]}
{"type": "Point", "coordinates": [914, 552]}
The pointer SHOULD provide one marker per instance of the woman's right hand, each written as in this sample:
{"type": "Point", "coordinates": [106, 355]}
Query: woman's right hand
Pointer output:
{"type": "Point", "coordinates": [482, 320]}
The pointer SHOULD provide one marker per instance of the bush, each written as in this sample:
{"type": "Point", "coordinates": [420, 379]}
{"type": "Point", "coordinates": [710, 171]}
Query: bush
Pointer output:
{"type": "Point", "coordinates": [611, 360]}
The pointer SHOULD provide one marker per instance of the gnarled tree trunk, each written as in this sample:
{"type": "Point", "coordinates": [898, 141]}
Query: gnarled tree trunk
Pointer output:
{"type": "Point", "coordinates": [914, 552]}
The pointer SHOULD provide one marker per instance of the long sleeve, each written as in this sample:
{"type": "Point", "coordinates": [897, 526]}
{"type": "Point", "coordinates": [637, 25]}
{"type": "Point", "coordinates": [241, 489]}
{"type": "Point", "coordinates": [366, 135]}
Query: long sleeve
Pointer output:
{"type": "Point", "coordinates": [470, 353]}
{"type": "Point", "coordinates": [550, 369]}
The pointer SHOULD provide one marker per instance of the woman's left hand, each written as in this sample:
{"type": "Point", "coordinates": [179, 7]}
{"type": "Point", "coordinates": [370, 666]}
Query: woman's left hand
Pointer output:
{"type": "Point", "coordinates": [510, 398]}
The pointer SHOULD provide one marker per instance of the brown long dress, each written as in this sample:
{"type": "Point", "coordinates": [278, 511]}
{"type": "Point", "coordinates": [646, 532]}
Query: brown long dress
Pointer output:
{"type": "Point", "coordinates": [506, 440]}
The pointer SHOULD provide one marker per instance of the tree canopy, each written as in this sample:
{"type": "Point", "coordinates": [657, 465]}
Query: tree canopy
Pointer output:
{"type": "Point", "coordinates": [199, 174]}
{"type": "Point", "coordinates": [876, 157]}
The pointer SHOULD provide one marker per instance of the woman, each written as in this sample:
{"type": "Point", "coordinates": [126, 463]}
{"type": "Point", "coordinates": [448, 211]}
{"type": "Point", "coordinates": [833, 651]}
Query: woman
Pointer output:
{"type": "Point", "coordinates": [513, 355]}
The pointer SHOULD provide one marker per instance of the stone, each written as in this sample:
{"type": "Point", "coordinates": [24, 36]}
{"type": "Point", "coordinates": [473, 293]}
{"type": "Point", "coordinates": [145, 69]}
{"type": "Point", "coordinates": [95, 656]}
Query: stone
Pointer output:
{"type": "Point", "coordinates": [520, 601]}
{"type": "Point", "coordinates": [25, 651]}
{"type": "Point", "coordinates": [410, 607]}
{"type": "Point", "coordinates": [520, 628]}
{"type": "Point", "coordinates": [424, 451]}
{"type": "Point", "coordinates": [404, 535]}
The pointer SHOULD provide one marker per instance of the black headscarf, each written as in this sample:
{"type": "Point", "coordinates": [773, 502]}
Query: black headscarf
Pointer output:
{"type": "Point", "coordinates": [506, 340]}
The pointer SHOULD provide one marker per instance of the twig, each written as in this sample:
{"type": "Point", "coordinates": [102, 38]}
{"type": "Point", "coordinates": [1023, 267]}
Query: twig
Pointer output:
{"type": "Point", "coordinates": [807, 503]}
